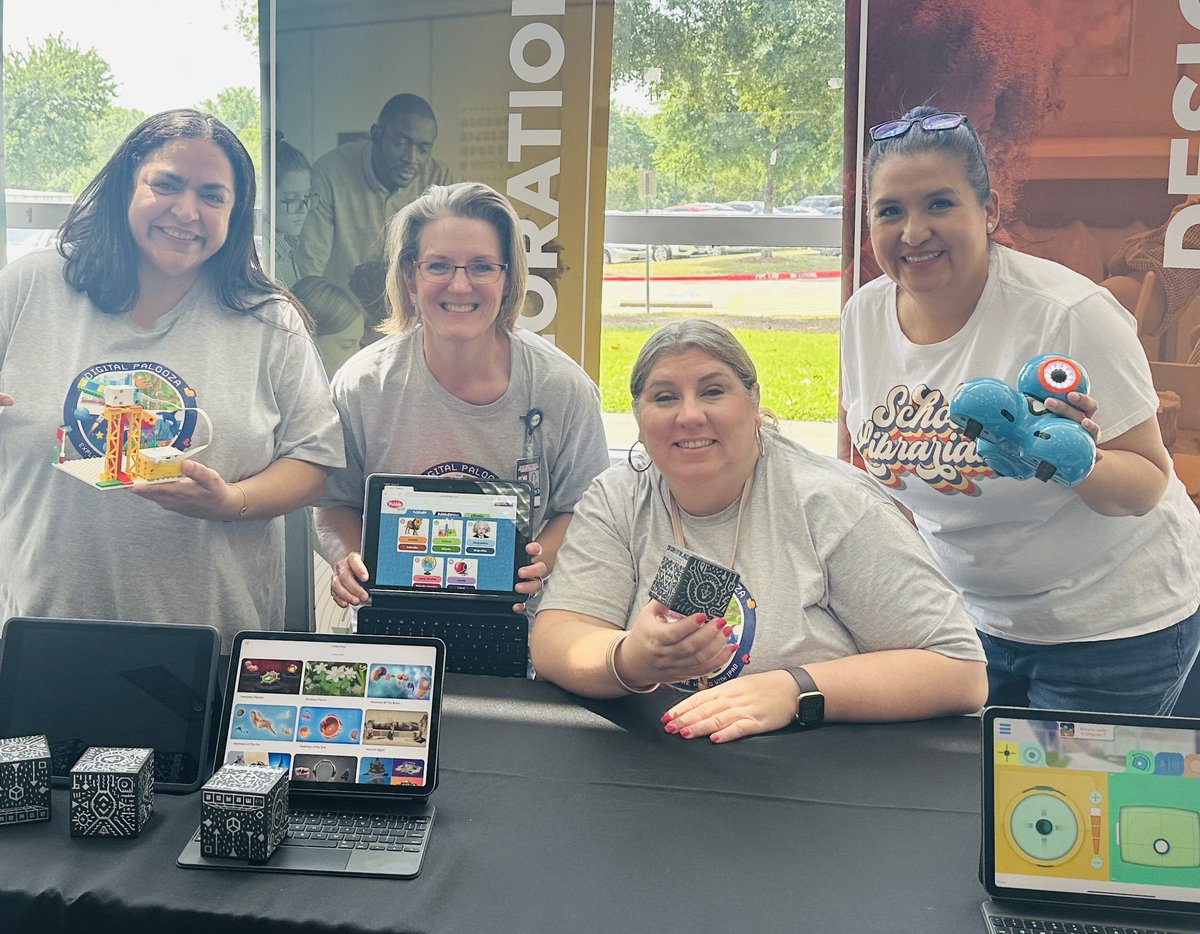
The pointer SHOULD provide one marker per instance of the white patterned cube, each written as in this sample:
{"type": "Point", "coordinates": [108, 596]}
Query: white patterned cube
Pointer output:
{"type": "Point", "coordinates": [112, 792]}
{"type": "Point", "coordinates": [244, 812]}
{"type": "Point", "coordinates": [24, 780]}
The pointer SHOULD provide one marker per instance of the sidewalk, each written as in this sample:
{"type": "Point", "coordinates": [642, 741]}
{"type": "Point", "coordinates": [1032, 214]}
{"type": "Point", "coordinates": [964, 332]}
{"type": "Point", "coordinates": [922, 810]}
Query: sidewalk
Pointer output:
{"type": "Point", "coordinates": [621, 431]}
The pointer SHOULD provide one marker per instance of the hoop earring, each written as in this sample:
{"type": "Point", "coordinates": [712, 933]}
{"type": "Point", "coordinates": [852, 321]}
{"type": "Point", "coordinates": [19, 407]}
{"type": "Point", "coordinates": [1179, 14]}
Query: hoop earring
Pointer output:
{"type": "Point", "coordinates": [629, 457]}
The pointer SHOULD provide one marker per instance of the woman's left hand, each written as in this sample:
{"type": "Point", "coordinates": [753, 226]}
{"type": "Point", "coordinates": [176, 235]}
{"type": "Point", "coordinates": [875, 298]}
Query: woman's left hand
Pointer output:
{"type": "Point", "coordinates": [201, 494]}
{"type": "Point", "coordinates": [532, 575]}
{"type": "Point", "coordinates": [740, 707]}
{"type": "Point", "coordinates": [1081, 409]}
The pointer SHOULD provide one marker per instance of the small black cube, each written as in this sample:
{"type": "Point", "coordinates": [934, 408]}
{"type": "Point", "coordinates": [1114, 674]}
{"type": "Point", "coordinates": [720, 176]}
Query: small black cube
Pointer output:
{"type": "Point", "coordinates": [112, 792]}
{"type": "Point", "coordinates": [244, 812]}
{"type": "Point", "coordinates": [24, 780]}
{"type": "Point", "coordinates": [688, 583]}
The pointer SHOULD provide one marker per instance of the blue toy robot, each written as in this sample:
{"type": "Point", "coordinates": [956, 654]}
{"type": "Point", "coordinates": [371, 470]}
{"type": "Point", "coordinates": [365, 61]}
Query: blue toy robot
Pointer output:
{"type": "Point", "coordinates": [1013, 430]}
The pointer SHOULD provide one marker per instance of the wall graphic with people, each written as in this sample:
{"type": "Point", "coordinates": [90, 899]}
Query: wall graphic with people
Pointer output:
{"type": "Point", "coordinates": [382, 99]}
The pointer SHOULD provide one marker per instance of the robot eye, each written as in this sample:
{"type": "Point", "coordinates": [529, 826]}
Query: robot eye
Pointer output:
{"type": "Point", "coordinates": [1059, 375]}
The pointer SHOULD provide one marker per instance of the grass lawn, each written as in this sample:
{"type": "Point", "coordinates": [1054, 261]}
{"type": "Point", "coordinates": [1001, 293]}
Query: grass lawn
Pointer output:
{"type": "Point", "coordinates": [799, 259]}
{"type": "Point", "coordinates": [798, 372]}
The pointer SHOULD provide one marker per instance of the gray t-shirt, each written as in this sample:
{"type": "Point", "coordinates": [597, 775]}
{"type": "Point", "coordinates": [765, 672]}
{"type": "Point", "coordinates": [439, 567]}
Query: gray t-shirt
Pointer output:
{"type": "Point", "coordinates": [397, 418]}
{"type": "Point", "coordinates": [829, 567]}
{"type": "Point", "coordinates": [70, 550]}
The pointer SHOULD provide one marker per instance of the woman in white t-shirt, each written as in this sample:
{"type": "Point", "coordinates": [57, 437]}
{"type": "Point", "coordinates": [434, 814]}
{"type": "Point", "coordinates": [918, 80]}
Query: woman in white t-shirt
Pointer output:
{"type": "Point", "coordinates": [1085, 597]}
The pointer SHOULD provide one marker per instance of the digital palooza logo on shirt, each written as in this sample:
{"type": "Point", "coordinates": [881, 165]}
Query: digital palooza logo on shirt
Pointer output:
{"type": "Point", "coordinates": [911, 433]}
{"type": "Point", "coordinates": [740, 616]}
{"type": "Point", "coordinates": [159, 390]}
{"type": "Point", "coordinates": [459, 469]}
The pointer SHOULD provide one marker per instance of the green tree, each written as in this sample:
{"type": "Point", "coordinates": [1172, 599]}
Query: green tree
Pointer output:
{"type": "Point", "coordinates": [240, 110]}
{"type": "Point", "coordinates": [744, 88]}
{"type": "Point", "coordinates": [107, 134]}
{"type": "Point", "coordinates": [55, 96]}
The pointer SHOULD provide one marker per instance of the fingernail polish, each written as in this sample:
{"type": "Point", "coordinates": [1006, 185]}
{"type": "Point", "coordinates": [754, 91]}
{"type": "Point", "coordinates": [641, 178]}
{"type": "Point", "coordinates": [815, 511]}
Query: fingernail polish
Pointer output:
{"type": "Point", "coordinates": [666, 718]}
{"type": "Point", "coordinates": [672, 728]}
{"type": "Point", "coordinates": [686, 732]}
{"type": "Point", "coordinates": [727, 631]}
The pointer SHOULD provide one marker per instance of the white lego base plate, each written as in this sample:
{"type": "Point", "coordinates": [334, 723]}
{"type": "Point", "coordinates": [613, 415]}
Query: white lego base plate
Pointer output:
{"type": "Point", "coordinates": [88, 469]}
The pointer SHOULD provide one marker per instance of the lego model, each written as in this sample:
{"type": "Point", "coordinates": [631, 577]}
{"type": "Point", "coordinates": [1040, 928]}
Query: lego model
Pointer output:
{"type": "Point", "coordinates": [137, 444]}
{"type": "Point", "coordinates": [1013, 430]}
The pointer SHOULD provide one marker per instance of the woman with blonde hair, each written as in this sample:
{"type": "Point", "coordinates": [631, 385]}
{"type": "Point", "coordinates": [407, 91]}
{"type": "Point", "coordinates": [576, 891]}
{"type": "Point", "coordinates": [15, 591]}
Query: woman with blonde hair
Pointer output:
{"type": "Point", "coordinates": [455, 387]}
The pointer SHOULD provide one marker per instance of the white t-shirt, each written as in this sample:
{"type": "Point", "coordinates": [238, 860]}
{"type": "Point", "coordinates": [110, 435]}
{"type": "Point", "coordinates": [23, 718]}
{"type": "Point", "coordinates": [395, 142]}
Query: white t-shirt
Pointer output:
{"type": "Point", "coordinates": [1033, 563]}
{"type": "Point", "coordinates": [829, 567]}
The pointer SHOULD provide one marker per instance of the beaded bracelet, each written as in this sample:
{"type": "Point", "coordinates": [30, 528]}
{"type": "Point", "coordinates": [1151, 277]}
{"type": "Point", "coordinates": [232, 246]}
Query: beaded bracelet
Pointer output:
{"type": "Point", "coordinates": [611, 661]}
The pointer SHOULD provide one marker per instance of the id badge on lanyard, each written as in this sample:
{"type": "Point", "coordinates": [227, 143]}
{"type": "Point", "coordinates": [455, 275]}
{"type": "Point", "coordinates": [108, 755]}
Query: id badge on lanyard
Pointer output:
{"type": "Point", "coordinates": [529, 467]}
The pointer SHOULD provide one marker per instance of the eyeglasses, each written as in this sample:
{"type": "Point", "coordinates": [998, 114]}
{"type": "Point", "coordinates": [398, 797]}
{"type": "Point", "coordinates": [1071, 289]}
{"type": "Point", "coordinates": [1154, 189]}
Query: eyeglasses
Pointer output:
{"type": "Point", "coordinates": [479, 273]}
{"type": "Point", "coordinates": [893, 129]}
{"type": "Point", "coordinates": [295, 205]}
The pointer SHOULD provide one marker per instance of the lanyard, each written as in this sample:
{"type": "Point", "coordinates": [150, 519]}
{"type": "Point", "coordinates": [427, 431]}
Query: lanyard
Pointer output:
{"type": "Point", "coordinates": [677, 524]}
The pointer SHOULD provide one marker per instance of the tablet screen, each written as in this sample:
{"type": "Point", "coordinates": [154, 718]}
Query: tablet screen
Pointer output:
{"type": "Point", "coordinates": [463, 541]}
{"type": "Point", "coordinates": [96, 683]}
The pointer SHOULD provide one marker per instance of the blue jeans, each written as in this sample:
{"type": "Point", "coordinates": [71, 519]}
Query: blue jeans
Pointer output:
{"type": "Point", "coordinates": [1141, 674]}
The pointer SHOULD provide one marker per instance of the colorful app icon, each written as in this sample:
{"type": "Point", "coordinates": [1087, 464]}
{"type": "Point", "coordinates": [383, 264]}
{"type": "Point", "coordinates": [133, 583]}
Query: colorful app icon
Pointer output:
{"type": "Point", "coordinates": [1032, 754]}
{"type": "Point", "coordinates": [1138, 761]}
{"type": "Point", "coordinates": [1168, 763]}
{"type": "Point", "coordinates": [1009, 754]}
{"type": "Point", "coordinates": [1191, 766]}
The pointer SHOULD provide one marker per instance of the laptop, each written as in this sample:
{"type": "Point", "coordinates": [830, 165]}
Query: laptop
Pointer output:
{"type": "Point", "coordinates": [443, 555]}
{"type": "Point", "coordinates": [355, 720]}
{"type": "Point", "coordinates": [109, 683]}
{"type": "Point", "coordinates": [1091, 822]}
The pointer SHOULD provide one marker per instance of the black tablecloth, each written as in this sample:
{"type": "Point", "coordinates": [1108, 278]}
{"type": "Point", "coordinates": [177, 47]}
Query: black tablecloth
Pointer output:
{"type": "Point", "coordinates": [560, 815]}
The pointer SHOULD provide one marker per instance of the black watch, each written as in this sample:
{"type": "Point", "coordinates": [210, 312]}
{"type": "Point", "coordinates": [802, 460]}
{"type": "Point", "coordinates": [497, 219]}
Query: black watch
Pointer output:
{"type": "Point", "coordinates": [810, 705]}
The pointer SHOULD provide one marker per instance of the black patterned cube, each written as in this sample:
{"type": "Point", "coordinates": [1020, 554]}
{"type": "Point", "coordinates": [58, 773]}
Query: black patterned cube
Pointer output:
{"type": "Point", "coordinates": [112, 792]}
{"type": "Point", "coordinates": [688, 583]}
{"type": "Point", "coordinates": [244, 812]}
{"type": "Point", "coordinates": [24, 780]}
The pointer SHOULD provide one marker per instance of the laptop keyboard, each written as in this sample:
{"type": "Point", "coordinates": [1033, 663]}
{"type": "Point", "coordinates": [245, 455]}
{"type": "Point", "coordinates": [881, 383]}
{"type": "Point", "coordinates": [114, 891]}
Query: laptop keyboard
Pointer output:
{"type": "Point", "coordinates": [1008, 924]}
{"type": "Point", "coordinates": [356, 831]}
{"type": "Point", "coordinates": [491, 646]}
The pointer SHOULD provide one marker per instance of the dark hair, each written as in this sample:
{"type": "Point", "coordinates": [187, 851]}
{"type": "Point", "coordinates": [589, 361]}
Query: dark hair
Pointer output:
{"type": "Point", "coordinates": [473, 200]}
{"type": "Point", "coordinates": [962, 141]}
{"type": "Point", "coordinates": [405, 104]}
{"type": "Point", "coordinates": [95, 239]}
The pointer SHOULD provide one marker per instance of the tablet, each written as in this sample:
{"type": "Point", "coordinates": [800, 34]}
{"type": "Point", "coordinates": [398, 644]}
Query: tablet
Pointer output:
{"type": "Point", "coordinates": [104, 683]}
{"type": "Point", "coordinates": [449, 536]}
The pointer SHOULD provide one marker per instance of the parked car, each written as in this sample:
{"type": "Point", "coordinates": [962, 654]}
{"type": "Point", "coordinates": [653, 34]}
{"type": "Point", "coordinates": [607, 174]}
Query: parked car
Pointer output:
{"type": "Point", "coordinates": [624, 252]}
{"type": "Point", "coordinates": [821, 202]}
{"type": "Point", "coordinates": [746, 207]}
{"type": "Point", "coordinates": [664, 251]}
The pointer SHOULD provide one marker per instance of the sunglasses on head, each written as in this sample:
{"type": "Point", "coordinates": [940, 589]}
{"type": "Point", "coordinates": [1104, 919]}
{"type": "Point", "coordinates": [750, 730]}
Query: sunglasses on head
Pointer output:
{"type": "Point", "coordinates": [896, 128]}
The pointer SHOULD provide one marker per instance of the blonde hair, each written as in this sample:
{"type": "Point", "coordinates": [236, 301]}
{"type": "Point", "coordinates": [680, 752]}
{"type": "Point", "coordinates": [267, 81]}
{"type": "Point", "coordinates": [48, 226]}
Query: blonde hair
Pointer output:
{"type": "Point", "coordinates": [472, 200]}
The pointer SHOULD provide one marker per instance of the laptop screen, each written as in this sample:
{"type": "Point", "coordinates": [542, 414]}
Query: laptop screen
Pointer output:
{"type": "Point", "coordinates": [1093, 808]}
{"type": "Point", "coordinates": [353, 714]}
{"type": "Point", "coordinates": [445, 535]}
{"type": "Point", "coordinates": [104, 683]}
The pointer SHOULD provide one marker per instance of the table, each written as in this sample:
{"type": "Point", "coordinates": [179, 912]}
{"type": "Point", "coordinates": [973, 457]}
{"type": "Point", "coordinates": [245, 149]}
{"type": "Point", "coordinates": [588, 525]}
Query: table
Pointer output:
{"type": "Point", "coordinates": [558, 814]}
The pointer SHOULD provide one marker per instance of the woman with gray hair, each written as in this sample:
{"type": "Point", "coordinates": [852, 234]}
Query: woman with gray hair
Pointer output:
{"type": "Point", "coordinates": [455, 387]}
{"type": "Point", "coordinates": [840, 612]}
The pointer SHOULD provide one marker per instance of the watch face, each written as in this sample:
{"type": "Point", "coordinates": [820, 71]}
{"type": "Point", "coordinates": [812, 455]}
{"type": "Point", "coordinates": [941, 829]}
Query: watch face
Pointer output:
{"type": "Point", "coordinates": [810, 709]}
